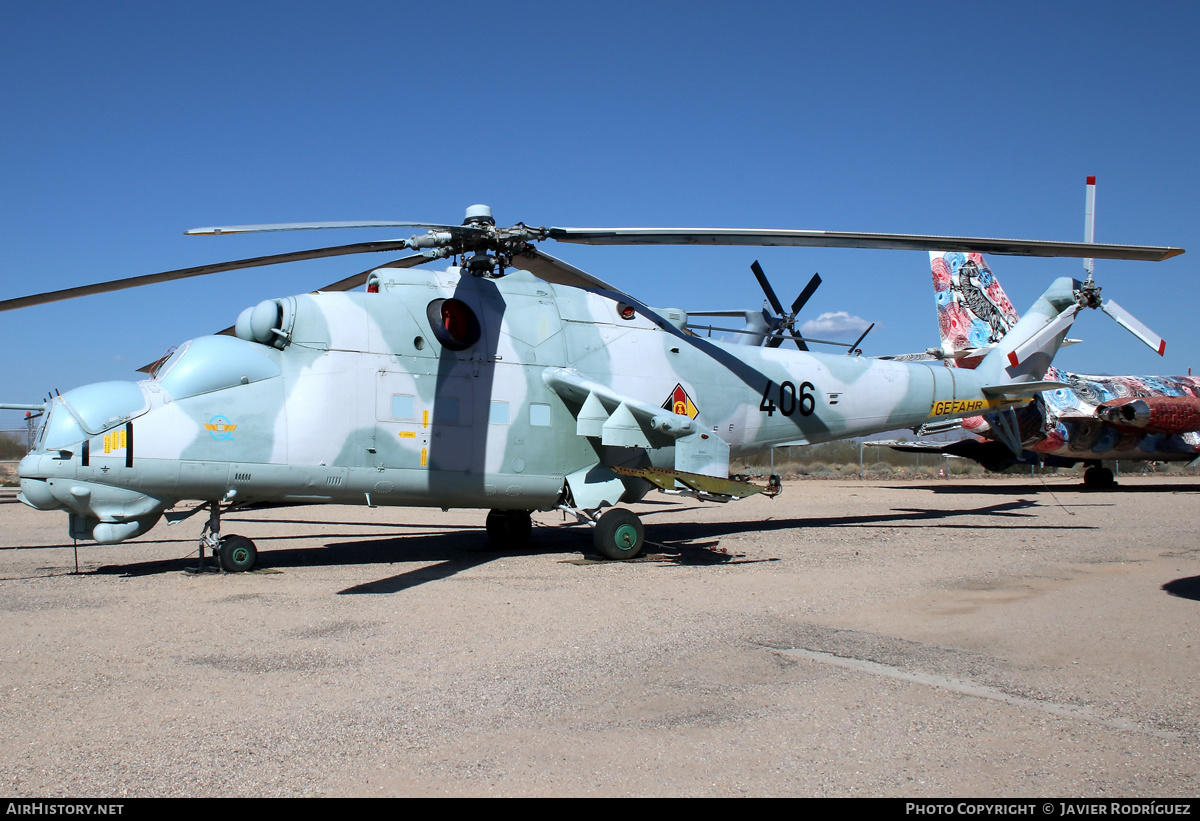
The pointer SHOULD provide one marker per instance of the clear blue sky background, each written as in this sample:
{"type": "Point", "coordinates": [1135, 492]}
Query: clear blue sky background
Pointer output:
{"type": "Point", "coordinates": [126, 123]}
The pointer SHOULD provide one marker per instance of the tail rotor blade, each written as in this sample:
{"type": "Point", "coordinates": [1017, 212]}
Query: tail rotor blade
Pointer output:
{"type": "Point", "coordinates": [776, 305]}
{"type": "Point", "coordinates": [806, 294]}
{"type": "Point", "coordinates": [798, 339]}
{"type": "Point", "coordinates": [1130, 323]}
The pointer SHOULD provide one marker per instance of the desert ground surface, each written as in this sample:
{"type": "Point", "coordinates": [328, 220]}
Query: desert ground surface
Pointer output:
{"type": "Point", "coordinates": [946, 638]}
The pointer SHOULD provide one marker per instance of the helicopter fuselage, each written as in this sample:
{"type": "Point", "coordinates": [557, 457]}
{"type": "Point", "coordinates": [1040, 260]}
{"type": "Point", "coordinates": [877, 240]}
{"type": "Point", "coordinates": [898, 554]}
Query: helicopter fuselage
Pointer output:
{"type": "Point", "coordinates": [445, 389]}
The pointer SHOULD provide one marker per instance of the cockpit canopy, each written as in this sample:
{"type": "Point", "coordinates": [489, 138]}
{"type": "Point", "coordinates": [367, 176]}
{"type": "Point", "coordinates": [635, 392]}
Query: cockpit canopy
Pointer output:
{"type": "Point", "coordinates": [212, 363]}
{"type": "Point", "coordinates": [90, 410]}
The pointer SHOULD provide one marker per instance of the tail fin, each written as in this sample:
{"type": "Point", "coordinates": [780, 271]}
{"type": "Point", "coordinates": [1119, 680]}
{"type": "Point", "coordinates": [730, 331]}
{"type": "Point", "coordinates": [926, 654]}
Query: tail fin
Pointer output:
{"type": "Point", "coordinates": [1024, 353]}
{"type": "Point", "coordinates": [974, 313]}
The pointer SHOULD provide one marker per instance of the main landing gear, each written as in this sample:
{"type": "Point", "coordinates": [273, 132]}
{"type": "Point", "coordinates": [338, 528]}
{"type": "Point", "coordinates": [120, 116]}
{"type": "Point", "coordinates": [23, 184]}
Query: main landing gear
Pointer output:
{"type": "Point", "coordinates": [617, 534]}
{"type": "Point", "coordinates": [235, 554]}
{"type": "Point", "coordinates": [509, 529]}
{"type": "Point", "coordinates": [1098, 478]}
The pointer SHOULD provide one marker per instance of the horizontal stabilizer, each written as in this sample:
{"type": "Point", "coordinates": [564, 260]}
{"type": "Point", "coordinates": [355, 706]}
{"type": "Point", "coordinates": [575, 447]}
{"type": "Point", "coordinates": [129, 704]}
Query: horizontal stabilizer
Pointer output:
{"type": "Point", "coordinates": [1043, 338]}
{"type": "Point", "coordinates": [992, 455]}
{"type": "Point", "coordinates": [913, 447]}
{"type": "Point", "coordinates": [1017, 389]}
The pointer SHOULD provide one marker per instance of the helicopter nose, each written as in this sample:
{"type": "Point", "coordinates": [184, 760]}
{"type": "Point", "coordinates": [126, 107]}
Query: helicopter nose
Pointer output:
{"type": "Point", "coordinates": [36, 493]}
{"type": "Point", "coordinates": [35, 490]}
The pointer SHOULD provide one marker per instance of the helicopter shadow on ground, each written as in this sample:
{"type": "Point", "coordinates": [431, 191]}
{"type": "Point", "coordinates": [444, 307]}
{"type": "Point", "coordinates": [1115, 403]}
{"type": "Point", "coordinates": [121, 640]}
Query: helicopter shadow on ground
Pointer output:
{"type": "Point", "coordinates": [1185, 588]}
{"type": "Point", "coordinates": [571, 541]}
{"type": "Point", "coordinates": [456, 549]}
{"type": "Point", "coordinates": [1037, 487]}
{"type": "Point", "coordinates": [918, 517]}
{"type": "Point", "coordinates": [463, 546]}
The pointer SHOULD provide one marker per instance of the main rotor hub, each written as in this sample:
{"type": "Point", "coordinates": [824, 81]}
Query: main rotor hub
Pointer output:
{"type": "Point", "coordinates": [479, 215]}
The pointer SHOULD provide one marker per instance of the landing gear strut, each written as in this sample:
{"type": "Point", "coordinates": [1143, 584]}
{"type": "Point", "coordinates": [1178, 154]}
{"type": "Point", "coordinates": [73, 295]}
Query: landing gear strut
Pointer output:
{"type": "Point", "coordinates": [234, 554]}
{"type": "Point", "coordinates": [509, 529]}
{"type": "Point", "coordinates": [1098, 478]}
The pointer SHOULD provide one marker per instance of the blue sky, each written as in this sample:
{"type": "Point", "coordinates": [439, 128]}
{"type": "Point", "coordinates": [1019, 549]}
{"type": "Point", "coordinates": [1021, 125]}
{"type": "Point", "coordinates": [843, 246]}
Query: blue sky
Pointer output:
{"type": "Point", "coordinates": [124, 124]}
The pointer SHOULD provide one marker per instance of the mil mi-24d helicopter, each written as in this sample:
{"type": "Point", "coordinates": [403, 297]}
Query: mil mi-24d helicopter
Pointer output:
{"type": "Point", "coordinates": [512, 382]}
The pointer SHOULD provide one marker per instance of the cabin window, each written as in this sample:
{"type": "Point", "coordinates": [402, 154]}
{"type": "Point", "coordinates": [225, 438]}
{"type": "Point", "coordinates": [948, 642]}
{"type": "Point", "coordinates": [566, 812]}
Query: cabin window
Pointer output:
{"type": "Point", "coordinates": [539, 415]}
{"type": "Point", "coordinates": [404, 406]}
{"type": "Point", "coordinates": [498, 413]}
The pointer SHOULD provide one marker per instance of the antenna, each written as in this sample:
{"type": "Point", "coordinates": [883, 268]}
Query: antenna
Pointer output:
{"type": "Point", "coordinates": [1089, 224]}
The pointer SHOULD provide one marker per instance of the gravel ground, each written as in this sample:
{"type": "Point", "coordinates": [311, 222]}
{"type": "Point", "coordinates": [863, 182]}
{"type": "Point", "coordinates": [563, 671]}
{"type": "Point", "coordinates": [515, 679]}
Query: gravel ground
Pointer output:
{"type": "Point", "coordinates": [979, 637]}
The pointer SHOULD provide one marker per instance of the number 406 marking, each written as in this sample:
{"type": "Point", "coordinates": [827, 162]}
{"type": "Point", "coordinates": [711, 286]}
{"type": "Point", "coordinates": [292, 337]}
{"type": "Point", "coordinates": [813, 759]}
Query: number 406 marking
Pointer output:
{"type": "Point", "coordinates": [786, 400]}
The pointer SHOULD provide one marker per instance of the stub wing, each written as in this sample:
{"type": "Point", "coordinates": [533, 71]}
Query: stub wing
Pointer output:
{"type": "Point", "coordinates": [618, 420]}
{"type": "Point", "coordinates": [615, 418]}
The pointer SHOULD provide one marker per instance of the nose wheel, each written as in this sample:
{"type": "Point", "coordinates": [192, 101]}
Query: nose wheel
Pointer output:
{"type": "Point", "coordinates": [237, 553]}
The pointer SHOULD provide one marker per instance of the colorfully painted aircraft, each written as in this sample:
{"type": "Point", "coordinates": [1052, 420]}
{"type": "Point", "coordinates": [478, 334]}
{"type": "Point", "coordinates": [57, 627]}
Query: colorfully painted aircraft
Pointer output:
{"type": "Point", "coordinates": [513, 382]}
{"type": "Point", "coordinates": [1088, 419]}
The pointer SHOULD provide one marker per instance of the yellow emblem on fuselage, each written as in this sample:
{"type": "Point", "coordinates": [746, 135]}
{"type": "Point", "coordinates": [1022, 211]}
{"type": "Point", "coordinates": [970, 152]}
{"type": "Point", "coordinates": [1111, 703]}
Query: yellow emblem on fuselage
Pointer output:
{"type": "Point", "coordinates": [679, 402]}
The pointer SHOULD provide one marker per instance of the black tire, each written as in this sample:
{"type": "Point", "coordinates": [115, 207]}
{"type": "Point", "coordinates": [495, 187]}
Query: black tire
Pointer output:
{"type": "Point", "coordinates": [1098, 478]}
{"type": "Point", "coordinates": [619, 535]}
{"type": "Point", "coordinates": [509, 529]}
{"type": "Point", "coordinates": [238, 554]}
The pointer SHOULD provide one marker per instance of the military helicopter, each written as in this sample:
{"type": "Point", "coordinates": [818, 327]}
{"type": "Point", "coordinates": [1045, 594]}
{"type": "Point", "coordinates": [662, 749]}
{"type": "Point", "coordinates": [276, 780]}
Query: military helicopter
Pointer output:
{"type": "Point", "coordinates": [510, 381]}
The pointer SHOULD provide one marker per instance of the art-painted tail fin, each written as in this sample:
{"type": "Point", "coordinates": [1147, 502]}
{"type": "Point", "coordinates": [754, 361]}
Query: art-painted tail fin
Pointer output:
{"type": "Point", "coordinates": [974, 313]}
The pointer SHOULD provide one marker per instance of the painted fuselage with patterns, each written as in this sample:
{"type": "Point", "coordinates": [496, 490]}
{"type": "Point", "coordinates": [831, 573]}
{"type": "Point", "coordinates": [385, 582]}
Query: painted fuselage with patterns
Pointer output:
{"type": "Point", "coordinates": [974, 312]}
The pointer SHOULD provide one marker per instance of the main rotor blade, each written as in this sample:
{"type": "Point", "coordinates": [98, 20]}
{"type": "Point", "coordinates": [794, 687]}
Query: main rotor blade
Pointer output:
{"type": "Point", "coordinates": [352, 282]}
{"type": "Point", "coordinates": [312, 226]}
{"type": "Point", "coordinates": [845, 239]}
{"type": "Point", "coordinates": [347, 284]}
{"type": "Point", "coordinates": [199, 270]}
{"type": "Point", "coordinates": [554, 270]}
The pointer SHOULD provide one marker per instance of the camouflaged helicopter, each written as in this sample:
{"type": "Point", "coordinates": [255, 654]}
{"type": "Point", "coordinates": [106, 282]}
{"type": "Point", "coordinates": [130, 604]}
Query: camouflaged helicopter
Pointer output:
{"type": "Point", "coordinates": [513, 382]}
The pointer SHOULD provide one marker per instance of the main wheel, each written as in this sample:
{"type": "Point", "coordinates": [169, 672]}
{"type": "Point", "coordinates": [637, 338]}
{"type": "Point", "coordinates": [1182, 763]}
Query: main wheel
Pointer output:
{"type": "Point", "coordinates": [619, 535]}
{"type": "Point", "coordinates": [509, 529]}
{"type": "Point", "coordinates": [238, 554]}
{"type": "Point", "coordinates": [1097, 478]}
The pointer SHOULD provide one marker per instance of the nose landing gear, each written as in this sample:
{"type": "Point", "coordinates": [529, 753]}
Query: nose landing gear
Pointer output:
{"type": "Point", "coordinates": [233, 553]}
{"type": "Point", "coordinates": [237, 553]}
